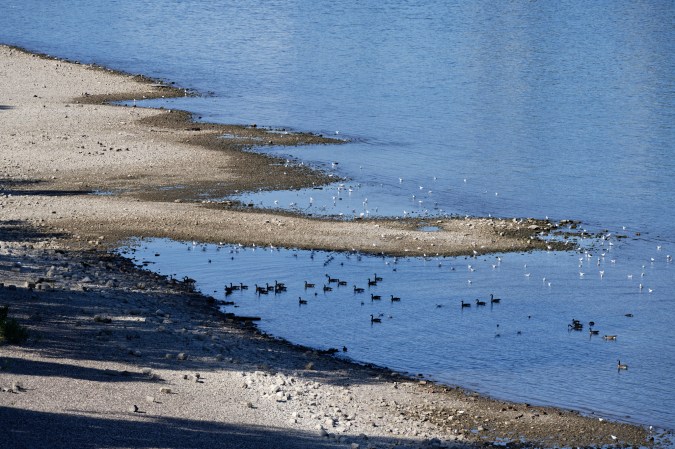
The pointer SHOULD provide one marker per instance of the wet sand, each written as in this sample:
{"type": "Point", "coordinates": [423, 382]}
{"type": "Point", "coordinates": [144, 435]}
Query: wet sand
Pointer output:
{"type": "Point", "coordinates": [108, 339]}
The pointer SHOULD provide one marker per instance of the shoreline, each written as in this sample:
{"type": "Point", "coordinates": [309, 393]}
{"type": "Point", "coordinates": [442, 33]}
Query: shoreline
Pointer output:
{"type": "Point", "coordinates": [54, 238]}
{"type": "Point", "coordinates": [167, 175]}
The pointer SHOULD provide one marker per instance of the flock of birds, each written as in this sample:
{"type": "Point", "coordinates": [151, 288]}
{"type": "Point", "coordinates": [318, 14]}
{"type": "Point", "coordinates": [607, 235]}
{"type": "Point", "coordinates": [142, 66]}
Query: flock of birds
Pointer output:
{"type": "Point", "coordinates": [328, 286]}
{"type": "Point", "coordinates": [421, 199]}
{"type": "Point", "coordinates": [333, 282]}
{"type": "Point", "coordinates": [578, 326]}
{"type": "Point", "coordinates": [588, 261]}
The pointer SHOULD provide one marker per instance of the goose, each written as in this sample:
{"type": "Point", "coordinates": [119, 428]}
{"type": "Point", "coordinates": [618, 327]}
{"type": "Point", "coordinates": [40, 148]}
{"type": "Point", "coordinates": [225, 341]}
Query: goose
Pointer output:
{"type": "Point", "coordinates": [593, 332]}
{"type": "Point", "coordinates": [243, 286]}
{"type": "Point", "coordinates": [331, 280]}
{"type": "Point", "coordinates": [609, 337]}
{"type": "Point", "coordinates": [480, 303]}
{"type": "Point", "coordinates": [395, 298]}
{"type": "Point", "coordinates": [375, 297]}
{"type": "Point", "coordinates": [327, 288]}
{"type": "Point", "coordinates": [301, 301]}
{"type": "Point", "coordinates": [371, 282]}
{"type": "Point", "coordinates": [375, 320]}
{"type": "Point", "coordinates": [575, 325]}
{"type": "Point", "coordinates": [493, 299]}
{"type": "Point", "coordinates": [620, 365]}
{"type": "Point", "coordinates": [341, 282]}
{"type": "Point", "coordinates": [377, 278]}
{"type": "Point", "coordinates": [465, 304]}
{"type": "Point", "coordinates": [188, 280]}
{"type": "Point", "coordinates": [308, 285]}
{"type": "Point", "coordinates": [358, 289]}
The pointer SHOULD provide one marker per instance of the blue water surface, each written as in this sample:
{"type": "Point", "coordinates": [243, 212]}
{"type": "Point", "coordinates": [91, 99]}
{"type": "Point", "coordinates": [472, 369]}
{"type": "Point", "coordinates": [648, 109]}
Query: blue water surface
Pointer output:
{"type": "Point", "coordinates": [517, 108]}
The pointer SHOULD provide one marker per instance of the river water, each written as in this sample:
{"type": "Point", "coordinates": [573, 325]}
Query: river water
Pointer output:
{"type": "Point", "coordinates": [544, 109]}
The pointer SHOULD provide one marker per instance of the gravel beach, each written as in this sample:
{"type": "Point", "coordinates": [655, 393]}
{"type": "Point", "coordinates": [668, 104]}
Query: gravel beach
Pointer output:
{"type": "Point", "coordinates": [120, 357]}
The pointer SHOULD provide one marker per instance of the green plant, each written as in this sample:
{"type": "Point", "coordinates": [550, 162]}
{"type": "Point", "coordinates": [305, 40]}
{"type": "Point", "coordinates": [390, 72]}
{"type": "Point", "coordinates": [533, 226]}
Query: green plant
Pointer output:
{"type": "Point", "coordinates": [10, 330]}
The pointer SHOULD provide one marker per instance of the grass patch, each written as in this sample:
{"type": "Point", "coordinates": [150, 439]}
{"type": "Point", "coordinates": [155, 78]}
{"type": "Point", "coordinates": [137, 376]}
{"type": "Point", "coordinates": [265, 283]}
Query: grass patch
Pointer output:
{"type": "Point", "coordinates": [10, 330]}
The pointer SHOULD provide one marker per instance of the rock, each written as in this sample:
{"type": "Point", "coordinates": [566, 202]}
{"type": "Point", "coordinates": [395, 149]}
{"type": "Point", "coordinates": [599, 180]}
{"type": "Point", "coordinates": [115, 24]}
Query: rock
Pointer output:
{"type": "Point", "coordinates": [165, 390]}
{"type": "Point", "coordinates": [434, 442]}
{"type": "Point", "coordinates": [355, 445]}
{"type": "Point", "coordinates": [182, 356]}
{"type": "Point", "coordinates": [323, 433]}
{"type": "Point", "coordinates": [149, 399]}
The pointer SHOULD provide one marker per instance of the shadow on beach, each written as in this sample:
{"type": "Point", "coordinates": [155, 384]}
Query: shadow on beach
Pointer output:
{"type": "Point", "coordinates": [20, 231]}
{"type": "Point", "coordinates": [26, 428]}
{"type": "Point", "coordinates": [24, 187]}
{"type": "Point", "coordinates": [116, 325]}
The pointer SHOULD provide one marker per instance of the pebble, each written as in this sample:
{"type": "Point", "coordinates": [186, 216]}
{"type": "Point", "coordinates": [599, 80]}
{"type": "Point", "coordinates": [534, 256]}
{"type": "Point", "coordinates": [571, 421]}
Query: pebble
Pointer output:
{"type": "Point", "coordinates": [182, 356]}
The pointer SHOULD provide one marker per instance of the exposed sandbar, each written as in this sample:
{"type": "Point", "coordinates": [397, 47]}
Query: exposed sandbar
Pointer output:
{"type": "Point", "coordinates": [59, 144]}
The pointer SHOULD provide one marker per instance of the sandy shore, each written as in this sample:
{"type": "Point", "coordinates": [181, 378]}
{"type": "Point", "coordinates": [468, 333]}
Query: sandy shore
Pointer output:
{"type": "Point", "coordinates": [119, 357]}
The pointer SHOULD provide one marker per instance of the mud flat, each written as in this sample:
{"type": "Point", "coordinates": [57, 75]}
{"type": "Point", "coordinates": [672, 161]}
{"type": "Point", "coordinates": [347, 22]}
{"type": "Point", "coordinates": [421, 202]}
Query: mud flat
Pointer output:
{"type": "Point", "coordinates": [118, 356]}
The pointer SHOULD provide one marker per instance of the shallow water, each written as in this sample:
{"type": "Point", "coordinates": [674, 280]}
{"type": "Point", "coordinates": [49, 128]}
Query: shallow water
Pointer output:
{"type": "Point", "coordinates": [520, 348]}
{"type": "Point", "coordinates": [558, 109]}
